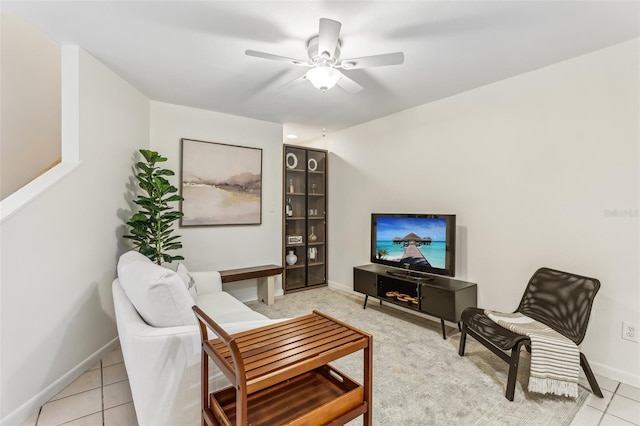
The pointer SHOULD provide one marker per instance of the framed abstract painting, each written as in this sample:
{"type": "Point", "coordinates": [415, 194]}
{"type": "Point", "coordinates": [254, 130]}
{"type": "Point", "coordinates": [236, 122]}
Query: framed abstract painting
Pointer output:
{"type": "Point", "coordinates": [221, 184]}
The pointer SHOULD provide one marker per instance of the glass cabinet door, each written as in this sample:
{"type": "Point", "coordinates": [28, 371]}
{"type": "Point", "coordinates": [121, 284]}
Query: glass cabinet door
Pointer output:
{"type": "Point", "coordinates": [305, 225]}
{"type": "Point", "coordinates": [316, 214]}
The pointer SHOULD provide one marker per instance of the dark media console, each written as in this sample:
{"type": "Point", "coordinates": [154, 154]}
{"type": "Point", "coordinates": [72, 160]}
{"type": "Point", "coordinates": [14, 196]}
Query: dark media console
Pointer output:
{"type": "Point", "coordinates": [438, 296]}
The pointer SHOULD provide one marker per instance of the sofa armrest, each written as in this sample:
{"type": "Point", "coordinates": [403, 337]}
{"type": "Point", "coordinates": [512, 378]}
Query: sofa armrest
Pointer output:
{"type": "Point", "coordinates": [207, 281]}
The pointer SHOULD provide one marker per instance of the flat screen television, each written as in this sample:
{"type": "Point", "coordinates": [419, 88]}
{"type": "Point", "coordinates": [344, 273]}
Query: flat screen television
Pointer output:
{"type": "Point", "coordinates": [417, 242]}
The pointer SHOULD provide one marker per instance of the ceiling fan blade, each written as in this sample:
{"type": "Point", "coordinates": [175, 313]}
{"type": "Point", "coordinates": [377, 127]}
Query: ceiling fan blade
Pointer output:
{"type": "Point", "coordinates": [396, 58]}
{"type": "Point", "coordinates": [328, 37]}
{"type": "Point", "coordinates": [277, 58]}
{"type": "Point", "coordinates": [349, 85]}
{"type": "Point", "coordinates": [295, 82]}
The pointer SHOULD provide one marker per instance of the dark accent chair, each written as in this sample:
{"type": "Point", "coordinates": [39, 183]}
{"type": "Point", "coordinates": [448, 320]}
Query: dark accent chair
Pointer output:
{"type": "Point", "coordinates": [558, 299]}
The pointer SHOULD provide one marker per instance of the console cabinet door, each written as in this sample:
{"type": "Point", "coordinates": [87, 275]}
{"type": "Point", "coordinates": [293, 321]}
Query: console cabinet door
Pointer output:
{"type": "Point", "coordinates": [438, 302]}
{"type": "Point", "coordinates": [365, 282]}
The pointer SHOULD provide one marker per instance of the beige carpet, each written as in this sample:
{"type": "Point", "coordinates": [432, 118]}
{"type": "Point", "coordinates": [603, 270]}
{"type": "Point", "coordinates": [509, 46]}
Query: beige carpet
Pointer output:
{"type": "Point", "coordinates": [418, 378]}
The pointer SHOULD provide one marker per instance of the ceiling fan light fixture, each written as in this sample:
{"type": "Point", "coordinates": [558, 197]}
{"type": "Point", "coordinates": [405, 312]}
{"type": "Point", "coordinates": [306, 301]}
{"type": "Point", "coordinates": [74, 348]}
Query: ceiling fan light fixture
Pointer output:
{"type": "Point", "coordinates": [323, 77]}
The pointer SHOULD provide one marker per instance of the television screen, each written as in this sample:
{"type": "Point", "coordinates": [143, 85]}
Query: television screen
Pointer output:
{"type": "Point", "coordinates": [421, 242]}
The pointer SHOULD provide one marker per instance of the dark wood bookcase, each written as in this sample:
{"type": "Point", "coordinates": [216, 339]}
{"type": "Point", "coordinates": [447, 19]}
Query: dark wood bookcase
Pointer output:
{"type": "Point", "coordinates": [305, 217]}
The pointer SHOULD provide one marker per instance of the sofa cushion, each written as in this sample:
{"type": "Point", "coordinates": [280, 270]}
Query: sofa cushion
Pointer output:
{"type": "Point", "coordinates": [157, 293]}
{"type": "Point", "coordinates": [224, 308]}
{"type": "Point", "coordinates": [131, 256]}
{"type": "Point", "coordinates": [188, 281]}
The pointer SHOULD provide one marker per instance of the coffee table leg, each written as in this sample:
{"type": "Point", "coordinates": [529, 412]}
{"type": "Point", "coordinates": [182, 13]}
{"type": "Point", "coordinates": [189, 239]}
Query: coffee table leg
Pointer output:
{"type": "Point", "coordinates": [204, 385]}
{"type": "Point", "coordinates": [368, 381]}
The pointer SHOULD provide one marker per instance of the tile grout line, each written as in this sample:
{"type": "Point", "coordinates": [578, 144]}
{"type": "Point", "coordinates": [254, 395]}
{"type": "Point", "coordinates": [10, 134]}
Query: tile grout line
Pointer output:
{"type": "Point", "coordinates": [628, 397]}
{"type": "Point", "coordinates": [608, 404]}
{"type": "Point", "coordinates": [102, 391]}
{"type": "Point", "coordinates": [622, 396]}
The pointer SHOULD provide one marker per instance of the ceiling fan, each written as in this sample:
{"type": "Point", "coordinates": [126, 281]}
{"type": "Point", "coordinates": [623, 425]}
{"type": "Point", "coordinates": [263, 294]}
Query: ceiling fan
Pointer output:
{"type": "Point", "coordinates": [325, 63]}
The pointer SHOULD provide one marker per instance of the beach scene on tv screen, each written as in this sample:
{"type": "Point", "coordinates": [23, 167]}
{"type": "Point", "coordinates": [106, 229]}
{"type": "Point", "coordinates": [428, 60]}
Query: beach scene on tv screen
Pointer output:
{"type": "Point", "coordinates": [416, 241]}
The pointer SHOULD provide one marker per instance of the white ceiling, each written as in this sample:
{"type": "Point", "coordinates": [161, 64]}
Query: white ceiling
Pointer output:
{"type": "Point", "coordinates": [192, 52]}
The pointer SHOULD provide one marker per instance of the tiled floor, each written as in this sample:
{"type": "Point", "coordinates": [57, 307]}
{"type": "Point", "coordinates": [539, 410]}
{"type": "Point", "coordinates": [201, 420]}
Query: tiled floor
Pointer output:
{"type": "Point", "coordinates": [620, 405]}
{"type": "Point", "coordinates": [101, 396]}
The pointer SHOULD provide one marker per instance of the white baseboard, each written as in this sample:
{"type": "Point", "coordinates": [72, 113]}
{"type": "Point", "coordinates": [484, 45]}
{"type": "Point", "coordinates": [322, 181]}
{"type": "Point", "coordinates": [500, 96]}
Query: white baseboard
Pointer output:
{"type": "Point", "coordinates": [598, 368]}
{"type": "Point", "coordinates": [338, 286]}
{"type": "Point", "coordinates": [38, 400]}
{"type": "Point", "coordinates": [615, 374]}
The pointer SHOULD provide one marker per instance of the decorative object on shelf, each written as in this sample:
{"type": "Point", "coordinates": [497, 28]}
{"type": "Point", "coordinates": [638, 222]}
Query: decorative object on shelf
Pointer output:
{"type": "Point", "coordinates": [291, 160]}
{"type": "Point", "coordinates": [291, 258]}
{"type": "Point", "coordinates": [313, 237]}
{"type": "Point", "coordinates": [313, 164]}
{"type": "Point", "coordinates": [291, 188]}
{"type": "Point", "coordinates": [151, 226]}
{"type": "Point", "coordinates": [313, 254]}
{"type": "Point", "coordinates": [289, 208]}
{"type": "Point", "coordinates": [294, 239]}
{"type": "Point", "coordinates": [313, 188]}
{"type": "Point", "coordinates": [221, 184]}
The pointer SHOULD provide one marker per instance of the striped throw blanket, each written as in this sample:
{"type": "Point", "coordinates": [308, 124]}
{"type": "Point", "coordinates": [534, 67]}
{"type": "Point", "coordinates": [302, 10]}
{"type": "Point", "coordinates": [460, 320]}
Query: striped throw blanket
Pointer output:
{"type": "Point", "coordinates": [555, 360]}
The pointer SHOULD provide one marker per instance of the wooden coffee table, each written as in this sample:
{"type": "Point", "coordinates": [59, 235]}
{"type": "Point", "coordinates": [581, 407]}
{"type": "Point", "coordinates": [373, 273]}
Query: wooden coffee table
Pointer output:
{"type": "Point", "coordinates": [280, 374]}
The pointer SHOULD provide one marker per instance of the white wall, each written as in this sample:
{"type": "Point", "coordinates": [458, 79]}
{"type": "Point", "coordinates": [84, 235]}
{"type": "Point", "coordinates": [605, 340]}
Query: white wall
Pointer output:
{"type": "Point", "coordinates": [535, 167]}
{"type": "Point", "coordinates": [59, 251]}
{"type": "Point", "coordinates": [226, 247]}
{"type": "Point", "coordinates": [30, 104]}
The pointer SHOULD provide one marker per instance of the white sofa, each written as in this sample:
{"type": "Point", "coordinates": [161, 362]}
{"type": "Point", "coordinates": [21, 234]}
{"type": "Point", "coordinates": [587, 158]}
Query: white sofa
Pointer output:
{"type": "Point", "coordinates": [160, 338]}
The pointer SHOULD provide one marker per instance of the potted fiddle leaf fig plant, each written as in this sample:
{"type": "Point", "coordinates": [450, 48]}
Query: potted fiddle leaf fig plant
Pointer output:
{"type": "Point", "coordinates": [151, 227]}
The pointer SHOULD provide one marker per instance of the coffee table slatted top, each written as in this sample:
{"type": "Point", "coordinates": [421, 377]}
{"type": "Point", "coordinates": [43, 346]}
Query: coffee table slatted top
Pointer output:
{"type": "Point", "coordinates": [280, 351]}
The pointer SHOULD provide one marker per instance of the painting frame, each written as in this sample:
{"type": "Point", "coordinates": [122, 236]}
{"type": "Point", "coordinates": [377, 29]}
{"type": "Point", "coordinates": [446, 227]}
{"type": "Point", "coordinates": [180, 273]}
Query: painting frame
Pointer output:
{"type": "Point", "coordinates": [221, 184]}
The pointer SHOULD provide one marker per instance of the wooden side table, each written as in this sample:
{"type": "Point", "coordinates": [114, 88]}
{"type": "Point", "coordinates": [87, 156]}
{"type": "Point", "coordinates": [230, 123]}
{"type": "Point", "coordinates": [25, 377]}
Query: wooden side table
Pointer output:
{"type": "Point", "coordinates": [279, 374]}
{"type": "Point", "coordinates": [265, 274]}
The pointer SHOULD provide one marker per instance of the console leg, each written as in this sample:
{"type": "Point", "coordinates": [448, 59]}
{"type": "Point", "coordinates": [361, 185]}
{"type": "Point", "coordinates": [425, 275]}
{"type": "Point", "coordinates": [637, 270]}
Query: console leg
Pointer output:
{"type": "Point", "coordinates": [463, 340]}
{"type": "Point", "coordinates": [444, 334]}
{"type": "Point", "coordinates": [366, 297]}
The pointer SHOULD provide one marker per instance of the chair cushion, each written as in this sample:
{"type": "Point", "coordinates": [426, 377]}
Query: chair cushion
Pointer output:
{"type": "Point", "coordinates": [188, 281]}
{"type": "Point", "coordinates": [157, 293]}
{"type": "Point", "coordinates": [477, 320]}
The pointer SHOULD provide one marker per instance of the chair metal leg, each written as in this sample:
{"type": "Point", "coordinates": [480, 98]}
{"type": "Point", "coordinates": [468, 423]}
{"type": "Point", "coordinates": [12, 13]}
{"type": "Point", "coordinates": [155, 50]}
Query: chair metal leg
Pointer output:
{"type": "Point", "coordinates": [366, 297]}
{"type": "Point", "coordinates": [513, 371]}
{"type": "Point", "coordinates": [444, 333]}
{"type": "Point", "coordinates": [590, 377]}
{"type": "Point", "coordinates": [463, 340]}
